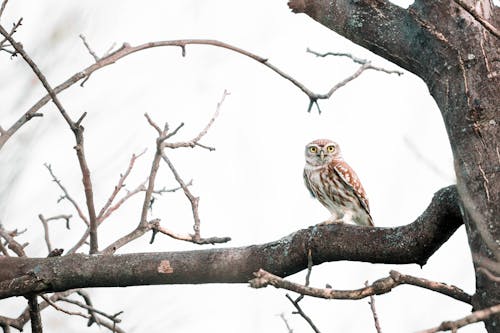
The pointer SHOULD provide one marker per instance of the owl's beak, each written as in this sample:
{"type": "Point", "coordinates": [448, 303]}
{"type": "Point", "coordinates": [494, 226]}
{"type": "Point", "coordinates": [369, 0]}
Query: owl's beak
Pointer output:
{"type": "Point", "coordinates": [322, 155]}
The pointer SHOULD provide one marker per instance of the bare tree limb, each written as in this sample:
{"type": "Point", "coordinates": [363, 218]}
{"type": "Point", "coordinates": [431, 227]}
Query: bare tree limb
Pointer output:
{"type": "Point", "coordinates": [285, 321]}
{"type": "Point", "coordinates": [126, 50]}
{"type": "Point", "coordinates": [475, 317]}
{"type": "Point", "coordinates": [2, 8]}
{"type": "Point", "coordinates": [374, 312]}
{"type": "Point", "coordinates": [87, 46]}
{"type": "Point", "coordinates": [77, 129]}
{"type": "Point", "coordinates": [413, 243]}
{"type": "Point", "coordinates": [106, 210]}
{"type": "Point", "coordinates": [36, 320]}
{"type": "Point", "coordinates": [302, 314]}
{"type": "Point", "coordinates": [66, 194]}
{"type": "Point", "coordinates": [187, 238]}
{"type": "Point", "coordinates": [12, 244]}
{"type": "Point", "coordinates": [46, 227]}
{"type": "Point", "coordinates": [381, 286]}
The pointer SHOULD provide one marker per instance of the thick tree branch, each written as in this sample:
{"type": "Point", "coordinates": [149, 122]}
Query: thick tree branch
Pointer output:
{"type": "Point", "coordinates": [413, 243]}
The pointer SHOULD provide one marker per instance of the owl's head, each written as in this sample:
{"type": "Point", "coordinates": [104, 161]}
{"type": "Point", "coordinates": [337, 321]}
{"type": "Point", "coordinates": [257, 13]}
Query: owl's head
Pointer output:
{"type": "Point", "coordinates": [321, 152]}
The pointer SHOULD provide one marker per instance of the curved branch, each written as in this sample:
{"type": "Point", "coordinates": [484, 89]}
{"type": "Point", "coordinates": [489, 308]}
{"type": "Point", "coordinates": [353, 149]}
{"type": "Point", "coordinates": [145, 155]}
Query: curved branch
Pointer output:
{"type": "Point", "coordinates": [413, 243]}
{"type": "Point", "coordinates": [381, 286]}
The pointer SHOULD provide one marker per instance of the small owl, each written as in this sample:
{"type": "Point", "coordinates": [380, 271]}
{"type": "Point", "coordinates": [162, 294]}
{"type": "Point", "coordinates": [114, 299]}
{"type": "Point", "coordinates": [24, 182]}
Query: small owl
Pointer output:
{"type": "Point", "coordinates": [335, 184]}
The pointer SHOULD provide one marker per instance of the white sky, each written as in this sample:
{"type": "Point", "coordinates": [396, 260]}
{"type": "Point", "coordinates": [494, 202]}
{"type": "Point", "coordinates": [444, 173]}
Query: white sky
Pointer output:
{"type": "Point", "coordinates": [251, 187]}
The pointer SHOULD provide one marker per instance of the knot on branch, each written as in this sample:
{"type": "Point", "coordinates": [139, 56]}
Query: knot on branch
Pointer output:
{"type": "Point", "coordinates": [260, 280]}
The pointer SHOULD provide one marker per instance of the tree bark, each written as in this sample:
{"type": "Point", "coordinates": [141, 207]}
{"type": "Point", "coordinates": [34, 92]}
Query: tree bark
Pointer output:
{"type": "Point", "coordinates": [413, 243]}
{"type": "Point", "coordinates": [454, 46]}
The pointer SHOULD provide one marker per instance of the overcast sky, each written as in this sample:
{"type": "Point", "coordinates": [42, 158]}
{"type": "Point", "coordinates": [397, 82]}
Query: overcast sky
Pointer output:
{"type": "Point", "coordinates": [251, 187]}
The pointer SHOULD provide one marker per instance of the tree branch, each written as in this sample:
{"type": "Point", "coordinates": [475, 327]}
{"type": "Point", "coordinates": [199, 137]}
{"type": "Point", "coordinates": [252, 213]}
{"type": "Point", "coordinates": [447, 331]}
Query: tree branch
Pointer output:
{"type": "Point", "coordinates": [475, 317]}
{"type": "Point", "coordinates": [36, 320]}
{"type": "Point", "coordinates": [381, 286]}
{"type": "Point", "coordinates": [413, 243]}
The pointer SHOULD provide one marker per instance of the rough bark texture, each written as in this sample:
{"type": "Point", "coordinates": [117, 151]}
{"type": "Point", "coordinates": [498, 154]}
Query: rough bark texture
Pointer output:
{"type": "Point", "coordinates": [458, 57]}
{"type": "Point", "coordinates": [413, 243]}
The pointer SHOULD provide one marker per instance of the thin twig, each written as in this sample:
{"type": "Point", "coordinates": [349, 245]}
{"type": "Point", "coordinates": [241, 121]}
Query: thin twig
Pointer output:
{"type": "Point", "coordinates": [2, 8]}
{"type": "Point", "coordinates": [36, 320]}
{"type": "Point", "coordinates": [77, 130]}
{"type": "Point", "coordinates": [365, 65]}
{"type": "Point", "coordinates": [58, 308]}
{"type": "Point", "coordinates": [302, 314]}
{"type": "Point", "coordinates": [66, 194]}
{"type": "Point", "coordinates": [3, 249]}
{"type": "Point", "coordinates": [381, 286]}
{"type": "Point", "coordinates": [474, 317]}
{"type": "Point", "coordinates": [288, 327]}
{"type": "Point", "coordinates": [88, 301]}
{"type": "Point", "coordinates": [187, 238]}
{"type": "Point", "coordinates": [195, 141]}
{"type": "Point", "coordinates": [374, 311]}
{"type": "Point", "coordinates": [126, 50]}
{"type": "Point", "coordinates": [90, 308]}
{"type": "Point", "coordinates": [192, 199]}
{"type": "Point", "coordinates": [119, 186]}
{"type": "Point", "coordinates": [87, 46]}
{"type": "Point", "coordinates": [46, 227]}
{"type": "Point", "coordinates": [308, 275]}
{"type": "Point", "coordinates": [144, 225]}
{"type": "Point", "coordinates": [16, 247]}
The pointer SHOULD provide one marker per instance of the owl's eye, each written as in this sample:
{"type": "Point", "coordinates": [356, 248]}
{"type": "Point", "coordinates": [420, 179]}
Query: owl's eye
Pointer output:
{"type": "Point", "coordinates": [313, 149]}
{"type": "Point", "coordinates": [330, 149]}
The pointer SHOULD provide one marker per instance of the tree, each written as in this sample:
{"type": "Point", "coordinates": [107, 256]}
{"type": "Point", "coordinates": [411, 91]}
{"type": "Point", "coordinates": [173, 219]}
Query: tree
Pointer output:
{"type": "Point", "coordinates": [423, 39]}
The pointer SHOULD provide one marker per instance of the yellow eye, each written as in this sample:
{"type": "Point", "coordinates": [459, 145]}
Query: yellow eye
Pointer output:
{"type": "Point", "coordinates": [330, 149]}
{"type": "Point", "coordinates": [313, 149]}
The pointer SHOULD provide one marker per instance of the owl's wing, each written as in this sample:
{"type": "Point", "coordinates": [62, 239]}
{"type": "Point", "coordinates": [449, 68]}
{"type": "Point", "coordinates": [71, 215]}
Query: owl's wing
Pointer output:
{"type": "Point", "coordinates": [347, 174]}
{"type": "Point", "coordinates": [308, 183]}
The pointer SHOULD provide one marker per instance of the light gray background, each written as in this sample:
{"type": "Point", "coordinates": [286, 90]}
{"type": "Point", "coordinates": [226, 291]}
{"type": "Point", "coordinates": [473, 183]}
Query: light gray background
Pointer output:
{"type": "Point", "coordinates": [251, 187]}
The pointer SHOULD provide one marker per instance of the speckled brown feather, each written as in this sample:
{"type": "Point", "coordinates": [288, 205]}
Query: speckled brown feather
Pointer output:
{"type": "Point", "coordinates": [350, 178]}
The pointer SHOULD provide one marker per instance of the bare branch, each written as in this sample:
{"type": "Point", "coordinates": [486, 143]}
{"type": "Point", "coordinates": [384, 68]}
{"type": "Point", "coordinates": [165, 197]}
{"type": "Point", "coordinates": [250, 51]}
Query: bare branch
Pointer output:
{"type": "Point", "coordinates": [187, 238]}
{"type": "Point", "coordinates": [87, 46]}
{"type": "Point", "coordinates": [288, 327]}
{"type": "Point", "coordinates": [475, 317]}
{"type": "Point", "coordinates": [365, 65]}
{"type": "Point", "coordinates": [126, 50]}
{"type": "Point", "coordinates": [118, 187]}
{"type": "Point", "coordinates": [195, 141]}
{"type": "Point", "coordinates": [66, 194]}
{"type": "Point", "coordinates": [413, 243]}
{"type": "Point", "coordinates": [381, 286]}
{"type": "Point", "coordinates": [16, 247]}
{"type": "Point", "coordinates": [192, 199]}
{"type": "Point", "coordinates": [302, 314]}
{"type": "Point", "coordinates": [78, 132]}
{"type": "Point", "coordinates": [374, 311]}
{"type": "Point", "coordinates": [88, 301]}
{"type": "Point", "coordinates": [4, 250]}
{"type": "Point", "coordinates": [11, 33]}
{"type": "Point", "coordinates": [46, 227]}
{"type": "Point", "coordinates": [92, 309]}
{"type": "Point", "coordinates": [58, 308]}
{"type": "Point", "coordinates": [2, 8]}
{"type": "Point", "coordinates": [36, 320]}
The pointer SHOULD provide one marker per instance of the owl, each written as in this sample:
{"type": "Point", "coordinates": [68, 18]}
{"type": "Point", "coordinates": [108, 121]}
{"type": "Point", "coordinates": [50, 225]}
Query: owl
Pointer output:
{"type": "Point", "coordinates": [335, 184]}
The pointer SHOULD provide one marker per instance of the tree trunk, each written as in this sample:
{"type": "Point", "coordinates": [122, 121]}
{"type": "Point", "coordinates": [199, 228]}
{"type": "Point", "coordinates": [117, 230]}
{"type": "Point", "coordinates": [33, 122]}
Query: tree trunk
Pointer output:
{"type": "Point", "coordinates": [455, 48]}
